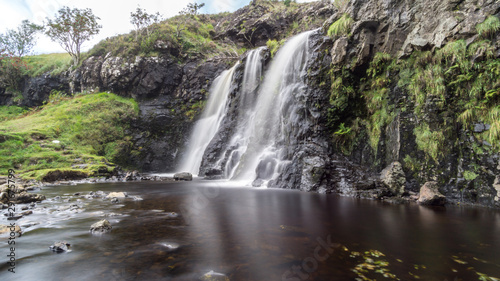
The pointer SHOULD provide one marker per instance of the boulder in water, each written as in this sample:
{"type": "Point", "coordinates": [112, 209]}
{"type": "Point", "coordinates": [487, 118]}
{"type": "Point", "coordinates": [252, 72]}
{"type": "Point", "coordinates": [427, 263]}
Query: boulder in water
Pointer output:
{"type": "Point", "coordinates": [429, 195]}
{"type": "Point", "coordinates": [117, 195]}
{"type": "Point", "coordinates": [394, 178]}
{"type": "Point", "coordinates": [183, 176]}
{"type": "Point", "coordinates": [11, 228]}
{"type": "Point", "coordinates": [60, 247]}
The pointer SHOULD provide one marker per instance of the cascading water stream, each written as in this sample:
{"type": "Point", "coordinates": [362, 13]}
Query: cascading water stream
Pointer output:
{"type": "Point", "coordinates": [209, 123]}
{"type": "Point", "coordinates": [271, 126]}
{"type": "Point", "coordinates": [265, 123]}
{"type": "Point", "coordinates": [248, 96]}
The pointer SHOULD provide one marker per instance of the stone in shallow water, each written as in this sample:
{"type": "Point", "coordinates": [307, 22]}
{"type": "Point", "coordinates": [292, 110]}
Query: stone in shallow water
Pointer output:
{"type": "Point", "coordinates": [117, 195]}
{"type": "Point", "coordinates": [257, 183]}
{"type": "Point", "coordinates": [496, 186]}
{"type": "Point", "coordinates": [183, 177]}
{"type": "Point", "coordinates": [60, 247]}
{"type": "Point", "coordinates": [102, 226]}
{"type": "Point", "coordinates": [8, 229]}
{"type": "Point", "coordinates": [394, 178]}
{"type": "Point", "coordinates": [430, 195]}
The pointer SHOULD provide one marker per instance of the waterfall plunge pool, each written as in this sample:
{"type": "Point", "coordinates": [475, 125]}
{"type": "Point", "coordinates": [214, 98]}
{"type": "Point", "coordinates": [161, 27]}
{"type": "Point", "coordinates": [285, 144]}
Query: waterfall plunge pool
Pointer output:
{"type": "Point", "coordinates": [182, 230]}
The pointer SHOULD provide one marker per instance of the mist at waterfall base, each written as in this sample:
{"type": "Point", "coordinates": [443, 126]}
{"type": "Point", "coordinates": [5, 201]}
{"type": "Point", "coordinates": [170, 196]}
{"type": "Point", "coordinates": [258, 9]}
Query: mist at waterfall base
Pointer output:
{"type": "Point", "coordinates": [258, 150]}
{"type": "Point", "coordinates": [183, 230]}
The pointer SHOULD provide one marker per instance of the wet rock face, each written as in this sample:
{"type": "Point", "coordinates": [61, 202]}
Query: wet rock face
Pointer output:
{"type": "Point", "coordinates": [430, 195]}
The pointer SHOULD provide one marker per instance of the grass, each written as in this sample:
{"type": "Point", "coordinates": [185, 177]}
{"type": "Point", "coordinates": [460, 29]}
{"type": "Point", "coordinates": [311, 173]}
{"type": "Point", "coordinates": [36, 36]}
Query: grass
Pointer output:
{"type": "Point", "coordinates": [51, 63]}
{"type": "Point", "coordinates": [184, 36]}
{"type": "Point", "coordinates": [88, 131]}
{"type": "Point", "coordinates": [11, 112]}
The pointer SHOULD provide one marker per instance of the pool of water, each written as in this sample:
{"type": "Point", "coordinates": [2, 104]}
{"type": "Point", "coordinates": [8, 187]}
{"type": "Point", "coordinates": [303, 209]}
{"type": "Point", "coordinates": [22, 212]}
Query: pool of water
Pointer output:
{"type": "Point", "coordinates": [180, 231]}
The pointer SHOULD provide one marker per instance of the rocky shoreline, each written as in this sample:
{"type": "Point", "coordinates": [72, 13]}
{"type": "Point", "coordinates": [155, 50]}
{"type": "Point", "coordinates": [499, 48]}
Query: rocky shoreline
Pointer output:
{"type": "Point", "coordinates": [388, 187]}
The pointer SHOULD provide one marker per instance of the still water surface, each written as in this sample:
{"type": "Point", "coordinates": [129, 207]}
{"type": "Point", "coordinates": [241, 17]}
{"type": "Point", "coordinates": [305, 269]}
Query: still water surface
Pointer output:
{"type": "Point", "coordinates": [180, 231]}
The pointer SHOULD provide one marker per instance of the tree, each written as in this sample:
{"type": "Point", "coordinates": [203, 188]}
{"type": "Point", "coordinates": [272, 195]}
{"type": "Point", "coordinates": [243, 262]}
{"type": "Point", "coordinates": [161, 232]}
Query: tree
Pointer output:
{"type": "Point", "coordinates": [11, 70]}
{"type": "Point", "coordinates": [71, 28]}
{"type": "Point", "coordinates": [142, 20]}
{"type": "Point", "coordinates": [15, 44]}
{"type": "Point", "coordinates": [20, 42]}
{"type": "Point", "coordinates": [190, 11]}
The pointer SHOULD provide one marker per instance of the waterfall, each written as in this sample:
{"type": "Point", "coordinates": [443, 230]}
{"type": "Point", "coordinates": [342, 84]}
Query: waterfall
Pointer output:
{"type": "Point", "coordinates": [273, 124]}
{"type": "Point", "coordinates": [209, 123]}
{"type": "Point", "coordinates": [253, 135]}
{"type": "Point", "coordinates": [248, 96]}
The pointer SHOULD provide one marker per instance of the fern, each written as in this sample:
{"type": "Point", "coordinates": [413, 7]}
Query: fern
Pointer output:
{"type": "Point", "coordinates": [488, 27]}
{"type": "Point", "coordinates": [341, 27]}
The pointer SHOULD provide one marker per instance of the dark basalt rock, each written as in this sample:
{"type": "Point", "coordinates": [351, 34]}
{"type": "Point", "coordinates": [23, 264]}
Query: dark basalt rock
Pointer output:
{"type": "Point", "coordinates": [36, 90]}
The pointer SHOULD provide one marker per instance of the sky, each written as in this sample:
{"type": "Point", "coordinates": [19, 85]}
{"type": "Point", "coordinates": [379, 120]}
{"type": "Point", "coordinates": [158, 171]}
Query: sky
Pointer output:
{"type": "Point", "coordinates": [114, 15]}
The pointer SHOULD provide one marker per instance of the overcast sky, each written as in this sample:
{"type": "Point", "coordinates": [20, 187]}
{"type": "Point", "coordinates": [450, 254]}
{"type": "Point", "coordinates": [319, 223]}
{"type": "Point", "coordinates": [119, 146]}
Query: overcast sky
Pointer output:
{"type": "Point", "coordinates": [115, 15]}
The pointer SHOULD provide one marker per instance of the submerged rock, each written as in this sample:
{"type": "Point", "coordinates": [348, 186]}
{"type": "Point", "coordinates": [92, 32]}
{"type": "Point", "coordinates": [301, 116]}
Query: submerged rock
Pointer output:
{"type": "Point", "coordinates": [430, 195]}
{"type": "Point", "coordinates": [214, 276]}
{"type": "Point", "coordinates": [102, 226]}
{"type": "Point", "coordinates": [60, 247]}
{"type": "Point", "coordinates": [183, 177]}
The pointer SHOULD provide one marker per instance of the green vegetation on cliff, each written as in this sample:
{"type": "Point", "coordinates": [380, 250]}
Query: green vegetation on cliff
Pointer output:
{"type": "Point", "coordinates": [450, 97]}
{"type": "Point", "coordinates": [84, 134]}
{"type": "Point", "coordinates": [181, 36]}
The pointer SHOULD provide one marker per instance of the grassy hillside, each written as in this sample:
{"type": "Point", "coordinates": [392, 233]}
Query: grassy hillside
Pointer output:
{"type": "Point", "coordinates": [84, 134]}
{"type": "Point", "coordinates": [52, 63]}
{"type": "Point", "coordinates": [183, 36]}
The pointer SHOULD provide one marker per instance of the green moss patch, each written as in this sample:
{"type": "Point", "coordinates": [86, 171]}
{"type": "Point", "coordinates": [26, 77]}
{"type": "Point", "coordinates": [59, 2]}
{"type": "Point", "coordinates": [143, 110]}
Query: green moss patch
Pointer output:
{"type": "Point", "coordinates": [86, 133]}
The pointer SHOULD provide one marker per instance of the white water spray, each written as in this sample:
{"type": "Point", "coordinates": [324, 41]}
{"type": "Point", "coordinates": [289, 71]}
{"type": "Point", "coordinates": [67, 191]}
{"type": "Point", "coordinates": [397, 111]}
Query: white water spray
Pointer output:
{"type": "Point", "coordinates": [210, 120]}
{"type": "Point", "coordinates": [270, 125]}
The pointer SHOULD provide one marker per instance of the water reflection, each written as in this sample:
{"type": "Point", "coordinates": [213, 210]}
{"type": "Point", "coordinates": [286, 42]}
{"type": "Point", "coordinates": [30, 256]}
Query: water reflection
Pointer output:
{"type": "Point", "coordinates": [181, 231]}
